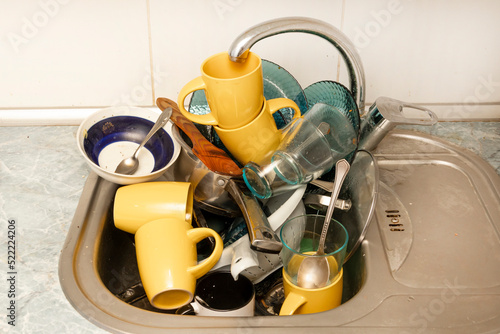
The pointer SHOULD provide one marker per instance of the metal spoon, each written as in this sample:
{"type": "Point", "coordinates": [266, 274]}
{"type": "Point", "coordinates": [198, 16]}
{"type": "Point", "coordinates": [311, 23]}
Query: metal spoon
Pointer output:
{"type": "Point", "coordinates": [314, 272]}
{"type": "Point", "coordinates": [129, 165]}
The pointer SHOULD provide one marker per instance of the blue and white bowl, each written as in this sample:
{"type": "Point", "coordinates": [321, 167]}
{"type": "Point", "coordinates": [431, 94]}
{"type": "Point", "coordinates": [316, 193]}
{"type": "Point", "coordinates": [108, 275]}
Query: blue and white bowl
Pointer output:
{"type": "Point", "coordinates": [112, 134]}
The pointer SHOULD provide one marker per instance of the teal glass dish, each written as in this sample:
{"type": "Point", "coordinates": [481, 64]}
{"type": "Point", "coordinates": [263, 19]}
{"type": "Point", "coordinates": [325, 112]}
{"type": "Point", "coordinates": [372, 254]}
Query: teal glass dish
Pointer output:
{"type": "Point", "coordinates": [338, 96]}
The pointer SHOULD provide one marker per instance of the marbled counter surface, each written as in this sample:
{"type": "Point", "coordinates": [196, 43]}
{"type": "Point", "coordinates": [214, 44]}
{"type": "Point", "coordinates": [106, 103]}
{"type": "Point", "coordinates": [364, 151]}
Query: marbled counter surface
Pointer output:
{"type": "Point", "coordinates": [41, 179]}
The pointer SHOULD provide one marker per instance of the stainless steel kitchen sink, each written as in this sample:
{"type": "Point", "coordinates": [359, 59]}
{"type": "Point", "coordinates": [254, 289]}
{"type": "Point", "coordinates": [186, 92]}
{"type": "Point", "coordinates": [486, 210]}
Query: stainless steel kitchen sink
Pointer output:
{"type": "Point", "coordinates": [430, 261]}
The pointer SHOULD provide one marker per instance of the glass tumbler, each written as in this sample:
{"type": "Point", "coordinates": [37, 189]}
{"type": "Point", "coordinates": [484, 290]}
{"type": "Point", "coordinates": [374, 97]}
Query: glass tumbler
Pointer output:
{"type": "Point", "coordinates": [300, 237]}
{"type": "Point", "coordinates": [310, 147]}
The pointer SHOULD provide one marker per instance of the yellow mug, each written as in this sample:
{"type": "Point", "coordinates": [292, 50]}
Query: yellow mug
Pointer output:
{"type": "Point", "coordinates": [305, 301]}
{"type": "Point", "coordinates": [140, 203]}
{"type": "Point", "coordinates": [167, 260]}
{"type": "Point", "coordinates": [259, 138]}
{"type": "Point", "coordinates": [234, 91]}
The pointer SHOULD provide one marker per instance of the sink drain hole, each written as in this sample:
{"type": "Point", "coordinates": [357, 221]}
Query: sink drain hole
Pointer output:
{"type": "Point", "coordinates": [395, 225]}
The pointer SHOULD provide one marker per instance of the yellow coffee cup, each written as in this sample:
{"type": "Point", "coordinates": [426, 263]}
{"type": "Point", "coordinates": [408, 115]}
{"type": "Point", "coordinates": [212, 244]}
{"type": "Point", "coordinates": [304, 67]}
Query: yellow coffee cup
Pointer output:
{"type": "Point", "coordinates": [167, 260]}
{"type": "Point", "coordinates": [301, 237]}
{"type": "Point", "coordinates": [305, 301]}
{"type": "Point", "coordinates": [234, 91]}
{"type": "Point", "coordinates": [260, 137]}
{"type": "Point", "coordinates": [141, 203]}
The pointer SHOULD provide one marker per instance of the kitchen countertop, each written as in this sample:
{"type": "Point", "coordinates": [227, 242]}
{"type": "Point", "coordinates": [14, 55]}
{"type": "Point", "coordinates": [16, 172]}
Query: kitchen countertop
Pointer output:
{"type": "Point", "coordinates": [41, 179]}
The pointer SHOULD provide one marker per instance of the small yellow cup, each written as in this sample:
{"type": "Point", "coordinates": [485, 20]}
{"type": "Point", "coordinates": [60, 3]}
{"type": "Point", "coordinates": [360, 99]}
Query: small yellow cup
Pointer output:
{"type": "Point", "coordinates": [234, 91]}
{"type": "Point", "coordinates": [305, 301]}
{"type": "Point", "coordinates": [141, 203]}
{"type": "Point", "coordinates": [260, 137]}
{"type": "Point", "coordinates": [167, 260]}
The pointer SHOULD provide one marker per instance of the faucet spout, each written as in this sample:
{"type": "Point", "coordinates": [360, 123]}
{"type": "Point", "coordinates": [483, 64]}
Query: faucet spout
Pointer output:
{"type": "Point", "coordinates": [238, 51]}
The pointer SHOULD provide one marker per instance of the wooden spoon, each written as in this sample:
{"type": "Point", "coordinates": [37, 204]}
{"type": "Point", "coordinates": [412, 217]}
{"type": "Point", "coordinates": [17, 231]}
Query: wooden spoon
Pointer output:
{"type": "Point", "coordinates": [213, 157]}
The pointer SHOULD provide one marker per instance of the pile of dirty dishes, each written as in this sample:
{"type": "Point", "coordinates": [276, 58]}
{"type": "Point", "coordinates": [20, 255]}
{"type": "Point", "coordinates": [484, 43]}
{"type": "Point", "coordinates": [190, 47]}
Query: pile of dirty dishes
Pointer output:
{"type": "Point", "coordinates": [250, 150]}
{"type": "Point", "coordinates": [182, 249]}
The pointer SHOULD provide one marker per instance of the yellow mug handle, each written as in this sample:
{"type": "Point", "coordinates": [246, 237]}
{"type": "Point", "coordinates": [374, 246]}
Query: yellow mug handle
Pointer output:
{"type": "Point", "coordinates": [198, 234]}
{"type": "Point", "coordinates": [194, 85]}
{"type": "Point", "coordinates": [276, 104]}
{"type": "Point", "coordinates": [292, 302]}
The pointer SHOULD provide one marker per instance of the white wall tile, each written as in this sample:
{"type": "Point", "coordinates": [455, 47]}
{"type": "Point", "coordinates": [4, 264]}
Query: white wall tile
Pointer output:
{"type": "Point", "coordinates": [436, 52]}
{"type": "Point", "coordinates": [185, 33]}
{"type": "Point", "coordinates": [84, 54]}
{"type": "Point", "coordinates": [59, 53]}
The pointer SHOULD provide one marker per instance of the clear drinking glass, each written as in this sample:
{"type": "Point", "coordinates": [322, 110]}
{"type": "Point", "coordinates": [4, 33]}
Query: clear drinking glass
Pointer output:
{"type": "Point", "coordinates": [300, 237]}
{"type": "Point", "coordinates": [310, 147]}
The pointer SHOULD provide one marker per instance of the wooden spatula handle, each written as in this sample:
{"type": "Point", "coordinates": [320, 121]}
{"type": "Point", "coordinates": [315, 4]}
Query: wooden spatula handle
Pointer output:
{"type": "Point", "coordinates": [213, 157]}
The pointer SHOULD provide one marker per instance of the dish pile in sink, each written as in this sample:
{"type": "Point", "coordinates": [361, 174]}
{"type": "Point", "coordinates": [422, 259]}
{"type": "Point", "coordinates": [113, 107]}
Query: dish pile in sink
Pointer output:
{"type": "Point", "coordinates": [222, 202]}
{"type": "Point", "coordinates": [257, 153]}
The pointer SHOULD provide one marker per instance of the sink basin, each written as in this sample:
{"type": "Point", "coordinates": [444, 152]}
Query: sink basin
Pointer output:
{"type": "Point", "coordinates": [430, 260]}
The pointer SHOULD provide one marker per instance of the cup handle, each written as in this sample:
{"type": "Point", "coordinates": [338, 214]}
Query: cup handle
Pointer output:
{"type": "Point", "coordinates": [198, 234]}
{"type": "Point", "coordinates": [292, 302]}
{"type": "Point", "coordinates": [187, 309]}
{"type": "Point", "coordinates": [280, 103]}
{"type": "Point", "coordinates": [190, 87]}
{"type": "Point", "coordinates": [243, 258]}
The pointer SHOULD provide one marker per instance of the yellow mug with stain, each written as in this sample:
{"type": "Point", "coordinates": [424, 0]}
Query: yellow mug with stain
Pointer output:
{"type": "Point", "coordinates": [167, 260]}
{"type": "Point", "coordinates": [305, 301]}
{"type": "Point", "coordinates": [141, 203]}
{"type": "Point", "coordinates": [301, 236]}
{"type": "Point", "coordinates": [259, 138]}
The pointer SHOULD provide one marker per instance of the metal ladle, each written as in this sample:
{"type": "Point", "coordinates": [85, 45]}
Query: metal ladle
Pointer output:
{"type": "Point", "coordinates": [314, 271]}
{"type": "Point", "coordinates": [129, 165]}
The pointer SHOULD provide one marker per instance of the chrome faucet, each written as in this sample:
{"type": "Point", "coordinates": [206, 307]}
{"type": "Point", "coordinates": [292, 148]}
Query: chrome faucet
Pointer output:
{"type": "Point", "coordinates": [238, 50]}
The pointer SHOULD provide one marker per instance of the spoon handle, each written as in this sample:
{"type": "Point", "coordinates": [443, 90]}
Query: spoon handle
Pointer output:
{"type": "Point", "coordinates": [160, 123]}
{"type": "Point", "coordinates": [341, 169]}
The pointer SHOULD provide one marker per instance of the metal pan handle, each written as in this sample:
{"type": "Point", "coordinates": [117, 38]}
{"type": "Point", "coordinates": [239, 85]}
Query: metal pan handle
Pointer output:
{"type": "Point", "coordinates": [262, 236]}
